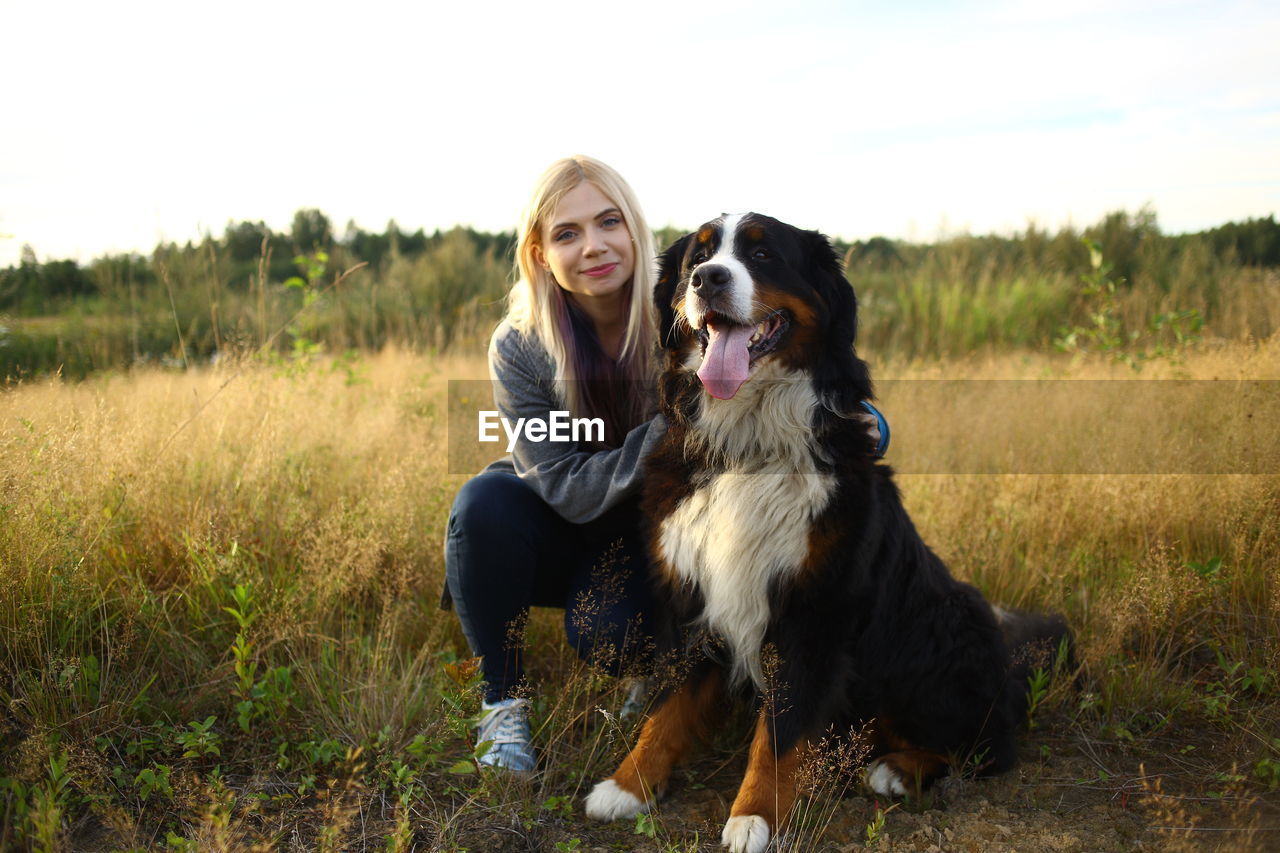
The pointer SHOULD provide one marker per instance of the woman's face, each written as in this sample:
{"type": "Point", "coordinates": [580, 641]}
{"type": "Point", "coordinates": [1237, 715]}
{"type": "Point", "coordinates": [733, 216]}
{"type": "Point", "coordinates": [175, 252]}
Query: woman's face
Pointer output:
{"type": "Point", "coordinates": [587, 246]}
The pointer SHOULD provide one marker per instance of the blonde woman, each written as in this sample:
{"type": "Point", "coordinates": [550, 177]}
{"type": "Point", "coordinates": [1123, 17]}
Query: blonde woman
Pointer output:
{"type": "Point", "coordinates": [540, 527]}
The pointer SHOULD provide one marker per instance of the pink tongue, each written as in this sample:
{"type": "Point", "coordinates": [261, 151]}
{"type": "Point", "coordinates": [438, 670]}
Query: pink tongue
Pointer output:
{"type": "Point", "coordinates": [725, 363]}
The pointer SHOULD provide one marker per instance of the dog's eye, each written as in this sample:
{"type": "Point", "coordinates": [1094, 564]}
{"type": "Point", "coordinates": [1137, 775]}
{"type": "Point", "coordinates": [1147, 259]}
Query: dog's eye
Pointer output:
{"type": "Point", "coordinates": [699, 257]}
{"type": "Point", "coordinates": [762, 254]}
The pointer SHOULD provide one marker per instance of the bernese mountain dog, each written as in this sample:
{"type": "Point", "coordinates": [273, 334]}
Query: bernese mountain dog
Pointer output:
{"type": "Point", "coordinates": [783, 553]}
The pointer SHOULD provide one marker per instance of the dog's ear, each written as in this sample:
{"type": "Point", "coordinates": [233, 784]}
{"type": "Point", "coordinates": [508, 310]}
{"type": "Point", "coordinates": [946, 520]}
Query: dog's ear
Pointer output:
{"type": "Point", "coordinates": [665, 291]}
{"type": "Point", "coordinates": [842, 379]}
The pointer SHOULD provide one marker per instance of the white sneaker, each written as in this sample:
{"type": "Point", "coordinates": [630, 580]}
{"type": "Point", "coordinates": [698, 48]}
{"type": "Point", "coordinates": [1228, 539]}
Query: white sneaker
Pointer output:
{"type": "Point", "coordinates": [506, 726]}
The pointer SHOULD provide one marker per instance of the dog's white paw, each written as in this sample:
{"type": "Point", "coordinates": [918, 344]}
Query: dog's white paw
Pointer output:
{"type": "Point", "coordinates": [746, 834]}
{"type": "Point", "coordinates": [607, 801]}
{"type": "Point", "coordinates": [885, 780]}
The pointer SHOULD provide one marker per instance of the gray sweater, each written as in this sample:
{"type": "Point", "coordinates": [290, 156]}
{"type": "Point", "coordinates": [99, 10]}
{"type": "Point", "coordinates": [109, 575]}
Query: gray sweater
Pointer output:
{"type": "Point", "coordinates": [578, 483]}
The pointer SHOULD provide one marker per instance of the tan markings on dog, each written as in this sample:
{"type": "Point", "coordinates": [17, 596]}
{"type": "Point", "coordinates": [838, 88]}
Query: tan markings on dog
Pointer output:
{"type": "Point", "coordinates": [823, 540]}
{"type": "Point", "coordinates": [705, 234]}
{"type": "Point", "coordinates": [670, 485]}
{"type": "Point", "coordinates": [879, 732]}
{"type": "Point", "coordinates": [666, 737]}
{"type": "Point", "coordinates": [915, 769]}
{"type": "Point", "coordinates": [678, 307]}
{"type": "Point", "coordinates": [769, 788]}
{"type": "Point", "coordinates": [803, 312]}
{"type": "Point", "coordinates": [756, 233]}
{"type": "Point", "coordinates": [662, 568]}
{"type": "Point", "coordinates": [806, 330]}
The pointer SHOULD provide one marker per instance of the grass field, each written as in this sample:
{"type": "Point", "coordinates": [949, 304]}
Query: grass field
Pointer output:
{"type": "Point", "coordinates": [220, 630]}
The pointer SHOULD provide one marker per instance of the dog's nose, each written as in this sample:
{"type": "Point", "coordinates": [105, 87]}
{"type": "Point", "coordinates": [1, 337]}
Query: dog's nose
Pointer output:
{"type": "Point", "coordinates": [710, 279]}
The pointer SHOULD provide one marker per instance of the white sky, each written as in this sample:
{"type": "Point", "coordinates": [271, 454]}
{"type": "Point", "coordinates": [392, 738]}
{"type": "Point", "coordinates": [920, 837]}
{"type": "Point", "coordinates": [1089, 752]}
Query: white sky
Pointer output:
{"type": "Point", "coordinates": [129, 122]}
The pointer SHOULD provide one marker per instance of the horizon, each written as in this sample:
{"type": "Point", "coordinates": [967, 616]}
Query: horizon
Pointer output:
{"type": "Point", "coordinates": [915, 124]}
{"type": "Point", "coordinates": [338, 234]}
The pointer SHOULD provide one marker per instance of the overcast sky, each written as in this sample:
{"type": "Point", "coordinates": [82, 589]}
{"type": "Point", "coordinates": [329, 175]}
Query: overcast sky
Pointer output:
{"type": "Point", "coordinates": [131, 122]}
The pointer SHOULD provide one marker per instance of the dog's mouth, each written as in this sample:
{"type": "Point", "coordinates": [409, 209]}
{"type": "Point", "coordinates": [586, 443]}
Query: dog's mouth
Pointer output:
{"type": "Point", "coordinates": [729, 349]}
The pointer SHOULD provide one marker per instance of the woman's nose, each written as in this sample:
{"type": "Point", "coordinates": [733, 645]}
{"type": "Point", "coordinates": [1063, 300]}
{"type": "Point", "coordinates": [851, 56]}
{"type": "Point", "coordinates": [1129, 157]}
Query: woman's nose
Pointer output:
{"type": "Point", "coordinates": [595, 241]}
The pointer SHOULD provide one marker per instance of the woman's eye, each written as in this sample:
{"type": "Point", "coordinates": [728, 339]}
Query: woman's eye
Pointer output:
{"type": "Point", "coordinates": [611, 221]}
{"type": "Point", "coordinates": [562, 236]}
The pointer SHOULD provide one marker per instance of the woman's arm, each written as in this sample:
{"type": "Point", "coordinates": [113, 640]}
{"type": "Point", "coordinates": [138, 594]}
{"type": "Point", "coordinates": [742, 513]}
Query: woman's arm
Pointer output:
{"type": "Point", "coordinates": [579, 484]}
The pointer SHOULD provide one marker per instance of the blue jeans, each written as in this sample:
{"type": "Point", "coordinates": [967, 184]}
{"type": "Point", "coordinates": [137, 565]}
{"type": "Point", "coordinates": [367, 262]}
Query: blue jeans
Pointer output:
{"type": "Point", "coordinates": [506, 550]}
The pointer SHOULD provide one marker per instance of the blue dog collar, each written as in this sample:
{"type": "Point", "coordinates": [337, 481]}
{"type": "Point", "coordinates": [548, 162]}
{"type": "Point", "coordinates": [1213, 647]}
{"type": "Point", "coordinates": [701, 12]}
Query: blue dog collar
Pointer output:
{"type": "Point", "coordinates": [882, 426]}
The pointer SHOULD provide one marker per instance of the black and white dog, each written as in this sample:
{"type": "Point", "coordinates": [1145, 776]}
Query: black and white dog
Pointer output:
{"type": "Point", "coordinates": [784, 552]}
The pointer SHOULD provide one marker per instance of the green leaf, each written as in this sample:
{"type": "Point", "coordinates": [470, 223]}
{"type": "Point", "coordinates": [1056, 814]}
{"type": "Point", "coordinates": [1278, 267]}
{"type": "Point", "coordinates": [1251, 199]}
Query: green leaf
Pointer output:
{"type": "Point", "coordinates": [462, 768]}
{"type": "Point", "coordinates": [646, 825]}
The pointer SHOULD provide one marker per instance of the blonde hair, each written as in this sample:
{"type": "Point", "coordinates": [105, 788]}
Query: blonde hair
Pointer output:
{"type": "Point", "coordinates": [538, 306]}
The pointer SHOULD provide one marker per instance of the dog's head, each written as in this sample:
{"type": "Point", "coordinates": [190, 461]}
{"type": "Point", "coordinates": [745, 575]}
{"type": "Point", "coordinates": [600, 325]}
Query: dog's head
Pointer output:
{"type": "Point", "coordinates": [746, 289]}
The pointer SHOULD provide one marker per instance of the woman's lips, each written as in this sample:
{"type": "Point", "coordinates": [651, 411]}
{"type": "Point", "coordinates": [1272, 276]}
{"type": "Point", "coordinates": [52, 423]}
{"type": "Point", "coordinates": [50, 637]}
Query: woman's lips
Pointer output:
{"type": "Point", "coordinates": [602, 270]}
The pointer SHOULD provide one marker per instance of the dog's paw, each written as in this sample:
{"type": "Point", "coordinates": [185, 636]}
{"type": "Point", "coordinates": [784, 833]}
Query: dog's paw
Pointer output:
{"type": "Point", "coordinates": [748, 833]}
{"type": "Point", "coordinates": [607, 801]}
{"type": "Point", "coordinates": [885, 780]}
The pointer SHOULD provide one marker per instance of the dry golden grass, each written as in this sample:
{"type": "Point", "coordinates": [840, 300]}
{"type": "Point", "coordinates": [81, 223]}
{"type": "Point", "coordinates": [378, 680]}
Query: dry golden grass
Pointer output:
{"type": "Point", "coordinates": [131, 504]}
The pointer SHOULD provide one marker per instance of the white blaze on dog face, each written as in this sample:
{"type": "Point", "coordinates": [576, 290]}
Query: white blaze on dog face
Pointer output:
{"type": "Point", "coordinates": [719, 302]}
{"type": "Point", "coordinates": [740, 293]}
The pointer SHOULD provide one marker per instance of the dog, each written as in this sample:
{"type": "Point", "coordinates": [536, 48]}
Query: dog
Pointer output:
{"type": "Point", "coordinates": [782, 551]}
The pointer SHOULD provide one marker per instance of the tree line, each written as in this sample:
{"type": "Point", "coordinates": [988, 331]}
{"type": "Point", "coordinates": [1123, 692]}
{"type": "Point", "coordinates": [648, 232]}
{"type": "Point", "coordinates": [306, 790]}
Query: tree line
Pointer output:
{"type": "Point", "coordinates": [255, 287]}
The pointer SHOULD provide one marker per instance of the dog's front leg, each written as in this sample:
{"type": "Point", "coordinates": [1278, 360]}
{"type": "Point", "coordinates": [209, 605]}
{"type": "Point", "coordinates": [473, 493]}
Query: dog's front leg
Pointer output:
{"type": "Point", "coordinates": [768, 790]}
{"type": "Point", "coordinates": [799, 704]}
{"type": "Point", "coordinates": [664, 740]}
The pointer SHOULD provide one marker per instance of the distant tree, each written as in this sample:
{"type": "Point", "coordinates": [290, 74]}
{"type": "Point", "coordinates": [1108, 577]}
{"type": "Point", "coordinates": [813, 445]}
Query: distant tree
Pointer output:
{"type": "Point", "coordinates": [879, 253]}
{"type": "Point", "coordinates": [502, 244]}
{"type": "Point", "coordinates": [1254, 242]}
{"type": "Point", "coordinates": [310, 231]}
{"type": "Point", "coordinates": [666, 235]}
{"type": "Point", "coordinates": [34, 288]}
{"type": "Point", "coordinates": [415, 243]}
{"type": "Point", "coordinates": [367, 246]}
{"type": "Point", "coordinates": [13, 282]}
{"type": "Point", "coordinates": [242, 241]}
{"type": "Point", "coordinates": [403, 243]}
{"type": "Point", "coordinates": [1123, 237]}
{"type": "Point", "coordinates": [65, 279]}
{"type": "Point", "coordinates": [115, 275]}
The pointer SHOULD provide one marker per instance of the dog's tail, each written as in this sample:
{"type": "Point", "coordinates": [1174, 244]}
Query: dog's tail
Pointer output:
{"type": "Point", "coordinates": [1039, 644]}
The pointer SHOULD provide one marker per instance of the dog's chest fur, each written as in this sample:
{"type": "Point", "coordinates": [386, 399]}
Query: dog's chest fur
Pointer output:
{"type": "Point", "coordinates": [746, 527]}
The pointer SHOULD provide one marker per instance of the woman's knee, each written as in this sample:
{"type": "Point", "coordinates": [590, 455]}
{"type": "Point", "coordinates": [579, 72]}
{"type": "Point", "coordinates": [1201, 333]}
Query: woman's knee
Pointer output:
{"type": "Point", "coordinates": [491, 503]}
{"type": "Point", "coordinates": [498, 535]}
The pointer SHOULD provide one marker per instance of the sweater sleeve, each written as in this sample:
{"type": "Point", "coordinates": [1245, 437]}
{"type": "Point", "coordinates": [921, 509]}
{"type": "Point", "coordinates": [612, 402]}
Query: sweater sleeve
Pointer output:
{"type": "Point", "coordinates": [579, 484]}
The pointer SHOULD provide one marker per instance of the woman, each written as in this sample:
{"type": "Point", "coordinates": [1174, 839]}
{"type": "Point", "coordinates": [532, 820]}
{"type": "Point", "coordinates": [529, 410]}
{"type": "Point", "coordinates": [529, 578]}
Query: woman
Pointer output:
{"type": "Point", "coordinates": [539, 527]}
